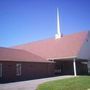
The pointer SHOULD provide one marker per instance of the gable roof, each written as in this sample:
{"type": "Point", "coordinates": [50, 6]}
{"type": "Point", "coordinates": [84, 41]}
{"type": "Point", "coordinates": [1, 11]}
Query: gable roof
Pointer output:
{"type": "Point", "coordinates": [8, 54]}
{"type": "Point", "coordinates": [65, 47]}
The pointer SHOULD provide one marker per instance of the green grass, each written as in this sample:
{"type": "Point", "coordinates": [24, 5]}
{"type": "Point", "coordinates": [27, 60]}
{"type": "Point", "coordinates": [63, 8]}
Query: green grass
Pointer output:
{"type": "Point", "coordinates": [76, 83]}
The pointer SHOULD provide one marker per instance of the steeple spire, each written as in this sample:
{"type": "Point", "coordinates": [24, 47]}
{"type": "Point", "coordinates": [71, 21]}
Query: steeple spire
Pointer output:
{"type": "Point", "coordinates": [58, 34]}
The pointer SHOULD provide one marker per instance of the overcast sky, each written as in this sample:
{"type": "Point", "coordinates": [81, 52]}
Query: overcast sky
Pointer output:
{"type": "Point", "coordinates": [23, 21]}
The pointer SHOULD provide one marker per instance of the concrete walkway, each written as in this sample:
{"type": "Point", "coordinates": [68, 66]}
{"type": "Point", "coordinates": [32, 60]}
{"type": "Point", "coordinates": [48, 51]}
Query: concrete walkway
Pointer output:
{"type": "Point", "coordinates": [29, 85]}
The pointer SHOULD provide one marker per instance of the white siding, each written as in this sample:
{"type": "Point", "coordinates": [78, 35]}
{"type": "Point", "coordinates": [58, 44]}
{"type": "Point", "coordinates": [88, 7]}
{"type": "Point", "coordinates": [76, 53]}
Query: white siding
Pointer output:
{"type": "Point", "coordinates": [85, 49]}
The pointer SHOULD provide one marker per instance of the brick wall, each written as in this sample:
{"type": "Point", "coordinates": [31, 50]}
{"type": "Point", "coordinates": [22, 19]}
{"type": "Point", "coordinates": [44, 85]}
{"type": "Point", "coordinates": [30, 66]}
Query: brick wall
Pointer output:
{"type": "Point", "coordinates": [29, 70]}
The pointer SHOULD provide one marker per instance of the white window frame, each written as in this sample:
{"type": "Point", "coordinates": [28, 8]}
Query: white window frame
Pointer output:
{"type": "Point", "coordinates": [18, 69]}
{"type": "Point", "coordinates": [0, 69]}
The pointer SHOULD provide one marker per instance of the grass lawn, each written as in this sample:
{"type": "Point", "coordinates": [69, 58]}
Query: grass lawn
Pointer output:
{"type": "Point", "coordinates": [76, 83]}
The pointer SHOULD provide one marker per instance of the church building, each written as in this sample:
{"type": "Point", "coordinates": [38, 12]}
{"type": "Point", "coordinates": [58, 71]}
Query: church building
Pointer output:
{"type": "Point", "coordinates": [61, 55]}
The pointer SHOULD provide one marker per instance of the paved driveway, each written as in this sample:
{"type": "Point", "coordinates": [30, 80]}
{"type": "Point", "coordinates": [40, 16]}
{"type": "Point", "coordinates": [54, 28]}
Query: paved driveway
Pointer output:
{"type": "Point", "coordinates": [29, 85]}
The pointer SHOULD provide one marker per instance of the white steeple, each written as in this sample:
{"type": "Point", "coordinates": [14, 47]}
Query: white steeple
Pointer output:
{"type": "Point", "coordinates": [58, 34]}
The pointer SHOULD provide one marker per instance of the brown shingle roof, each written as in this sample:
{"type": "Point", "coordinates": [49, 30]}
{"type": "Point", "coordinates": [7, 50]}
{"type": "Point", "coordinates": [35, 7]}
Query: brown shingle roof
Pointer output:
{"type": "Point", "coordinates": [8, 54]}
{"type": "Point", "coordinates": [67, 46]}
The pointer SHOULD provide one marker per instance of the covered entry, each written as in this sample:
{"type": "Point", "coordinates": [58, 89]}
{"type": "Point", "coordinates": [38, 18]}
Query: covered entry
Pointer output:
{"type": "Point", "coordinates": [71, 67]}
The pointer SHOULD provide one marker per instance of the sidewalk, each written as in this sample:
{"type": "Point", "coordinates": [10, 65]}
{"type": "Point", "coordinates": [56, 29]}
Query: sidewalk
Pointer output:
{"type": "Point", "coordinates": [30, 84]}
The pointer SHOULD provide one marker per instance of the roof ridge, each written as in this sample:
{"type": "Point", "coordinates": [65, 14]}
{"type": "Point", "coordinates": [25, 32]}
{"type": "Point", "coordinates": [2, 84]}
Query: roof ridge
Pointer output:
{"type": "Point", "coordinates": [51, 38]}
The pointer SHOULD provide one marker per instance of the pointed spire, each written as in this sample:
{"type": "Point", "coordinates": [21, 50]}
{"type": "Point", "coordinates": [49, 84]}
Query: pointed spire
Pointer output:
{"type": "Point", "coordinates": [58, 34]}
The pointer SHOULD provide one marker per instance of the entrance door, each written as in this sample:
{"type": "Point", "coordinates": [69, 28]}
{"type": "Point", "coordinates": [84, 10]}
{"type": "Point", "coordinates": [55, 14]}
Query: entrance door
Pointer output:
{"type": "Point", "coordinates": [82, 68]}
{"type": "Point", "coordinates": [58, 68]}
{"type": "Point", "coordinates": [64, 68]}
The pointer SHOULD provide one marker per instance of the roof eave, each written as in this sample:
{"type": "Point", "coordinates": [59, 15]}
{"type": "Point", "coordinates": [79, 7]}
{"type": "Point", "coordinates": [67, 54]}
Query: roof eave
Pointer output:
{"type": "Point", "coordinates": [62, 58]}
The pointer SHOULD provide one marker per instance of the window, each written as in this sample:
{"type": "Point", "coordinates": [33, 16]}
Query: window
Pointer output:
{"type": "Point", "coordinates": [0, 70]}
{"type": "Point", "coordinates": [18, 69]}
{"type": "Point", "coordinates": [89, 67]}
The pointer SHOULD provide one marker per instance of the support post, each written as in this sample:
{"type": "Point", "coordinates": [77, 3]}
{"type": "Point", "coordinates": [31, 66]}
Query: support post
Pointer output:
{"type": "Point", "coordinates": [74, 67]}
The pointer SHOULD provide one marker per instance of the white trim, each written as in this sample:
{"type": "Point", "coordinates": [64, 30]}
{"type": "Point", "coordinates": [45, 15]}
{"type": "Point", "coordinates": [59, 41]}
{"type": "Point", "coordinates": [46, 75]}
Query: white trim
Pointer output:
{"type": "Point", "coordinates": [74, 67]}
{"type": "Point", "coordinates": [0, 69]}
{"type": "Point", "coordinates": [61, 58]}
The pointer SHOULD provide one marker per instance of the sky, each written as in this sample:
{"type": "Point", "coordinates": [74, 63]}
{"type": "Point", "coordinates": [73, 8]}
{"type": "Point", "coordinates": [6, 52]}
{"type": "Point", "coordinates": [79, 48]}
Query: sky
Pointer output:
{"type": "Point", "coordinates": [23, 21]}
